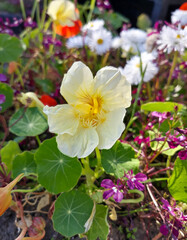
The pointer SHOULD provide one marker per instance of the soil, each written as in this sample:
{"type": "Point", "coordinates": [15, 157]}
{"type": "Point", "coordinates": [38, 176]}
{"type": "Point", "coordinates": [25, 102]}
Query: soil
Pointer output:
{"type": "Point", "coordinates": [9, 231]}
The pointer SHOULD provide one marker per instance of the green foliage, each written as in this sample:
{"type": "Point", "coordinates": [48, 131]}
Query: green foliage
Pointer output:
{"type": "Point", "coordinates": [24, 163]}
{"type": "Point", "coordinates": [177, 183]}
{"type": "Point", "coordinates": [10, 48]}
{"type": "Point", "coordinates": [100, 227]}
{"type": "Point", "coordinates": [45, 84]}
{"type": "Point", "coordinates": [6, 90]}
{"type": "Point", "coordinates": [161, 106]}
{"type": "Point", "coordinates": [72, 210]}
{"type": "Point", "coordinates": [28, 123]}
{"type": "Point", "coordinates": [8, 153]}
{"type": "Point", "coordinates": [120, 158]}
{"type": "Point", "coordinates": [115, 19]}
{"type": "Point", "coordinates": [56, 171]}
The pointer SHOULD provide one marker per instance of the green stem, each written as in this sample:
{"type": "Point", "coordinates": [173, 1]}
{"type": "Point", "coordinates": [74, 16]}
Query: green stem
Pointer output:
{"type": "Point", "coordinates": [134, 211]}
{"type": "Point", "coordinates": [168, 165]}
{"type": "Point", "coordinates": [38, 14]}
{"type": "Point", "coordinates": [43, 14]}
{"type": "Point", "coordinates": [92, 5]}
{"type": "Point", "coordinates": [20, 77]}
{"type": "Point", "coordinates": [159, 151]}
{"type": "Point", "coordinates": [26, 190]}
{"type": "Point", "coordinates": [23, 9]}
{"type": "Point", "coordinates": [89, 173]}
{"type": "Point", "coordinates": [141, 198]}
{"type": "Point", "coordinates": [34, 9]}
{"type": "Point", "coordinates": [171, 72]}
{"type": "Point", "coordinates": [38, 140]}
{"type": "Point", "coordinates": [149, 91]}
{"type": "Point", "coordinates": [98, 170]}
{"type": "Point", "coordinates": [157, 165]}
{"type": "Point", "coordinates": [155, 180]}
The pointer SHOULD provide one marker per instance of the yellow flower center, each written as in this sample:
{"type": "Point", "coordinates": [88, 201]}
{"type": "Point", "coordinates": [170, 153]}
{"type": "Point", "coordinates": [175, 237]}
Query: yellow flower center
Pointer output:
{"type": "Point", "coordinates": [60, 13]}
{"type": "Point", "coordinates": [89, 110]}
{"type": "Point", "coordinates": [100, 41]}
{"type": "Point", "coordinates": [138, 65]}
{"type": "Point", "coordinates": [178, 36]}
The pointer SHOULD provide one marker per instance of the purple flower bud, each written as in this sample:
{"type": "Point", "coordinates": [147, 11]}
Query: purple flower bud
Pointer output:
{"type": "Point", "coordinates": [2, 98]}
{"type": "Point", "coordinates": [183, 154]}
{"type": "Point", "coordinates": [164, 230]}
{"type": "Point", "coordinates": [3, 78]}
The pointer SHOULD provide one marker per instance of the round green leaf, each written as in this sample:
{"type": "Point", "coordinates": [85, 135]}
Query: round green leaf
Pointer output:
{"type": "Point", "coordinates": [100, 227]}
{"type": "Point", "coordinates": [56, 171]}
{"type": "Point", "coordinates": [72, 210]}
{"type": "Point", "coordinates": [161, 106]}
{"type": "Point", "coordinates": [120, 158]}
{"type": "Point", "coordinates": [10, 48]}
{"type": "Point", "coordinates": [6, 90]}
{"type": "Point", "coordinates": [28, 123]}
{"type": "Point", "coordinates": [24, 163]}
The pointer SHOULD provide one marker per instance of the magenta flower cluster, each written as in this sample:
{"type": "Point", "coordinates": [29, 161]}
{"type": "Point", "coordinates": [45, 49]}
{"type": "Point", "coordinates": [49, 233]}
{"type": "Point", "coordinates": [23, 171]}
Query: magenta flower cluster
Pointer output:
{"type": "Point", "coordinates": [119, 190]}
{"type": "Point", "coordinates": [174, 219]}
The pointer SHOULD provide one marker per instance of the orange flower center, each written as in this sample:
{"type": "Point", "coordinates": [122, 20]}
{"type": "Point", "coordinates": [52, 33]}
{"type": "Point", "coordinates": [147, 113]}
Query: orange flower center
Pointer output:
{"type": "Point", "coordinates": [100, 41]}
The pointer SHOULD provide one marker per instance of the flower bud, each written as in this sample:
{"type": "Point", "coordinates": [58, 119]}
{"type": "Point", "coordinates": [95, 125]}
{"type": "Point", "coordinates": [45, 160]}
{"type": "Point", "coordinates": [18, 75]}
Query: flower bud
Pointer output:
{"type": "Point", "coordinates": [5, 195]}
{"type": "Point", "coordinates": [30, 99]}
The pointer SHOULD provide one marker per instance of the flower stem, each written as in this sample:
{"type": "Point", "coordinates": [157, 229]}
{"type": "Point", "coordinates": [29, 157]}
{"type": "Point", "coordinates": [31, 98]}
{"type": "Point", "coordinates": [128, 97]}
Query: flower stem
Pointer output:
{"type": "Point", "coordinates": [155, 180]}
{"type": "Point", "coordinates": [168, 165]}
{"type": "Point", "coordinates": [89, 173]}
{"type": "Point", "coordinates": [171, 72]}
{"type": "Point", "coordinates": [38, 140]}
{"type": "Point", "coordinates": [141, 198]}
{"type": "Point", "coordinates": [149, 90]}
{"type": "Point", "coordinates": [98, 170]}
{"type": "Point", "coordinates": [26, 190]}
{"type": "Point", "coordinates": [92, 5]}
{"type": "Point", "coordinates": [23, 9]}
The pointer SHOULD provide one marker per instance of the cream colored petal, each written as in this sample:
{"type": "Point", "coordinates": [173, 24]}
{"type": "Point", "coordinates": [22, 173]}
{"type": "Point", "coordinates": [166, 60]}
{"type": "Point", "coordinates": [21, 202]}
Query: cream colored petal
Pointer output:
{"type": "Point", "coordinates": [34, 101]}
{"type": "Point", "coordinates": [78, 80]}
{"type": "Point", "coordinates": [81, 144]}
{"type": "Point", "coordinates": [113, 87]}
{"type": "Point", "coordinates": [54, 7]}
{"type": "Point", "coordinates": [111, 129]}
{"type": "Point", "coordinates": [61, 119]}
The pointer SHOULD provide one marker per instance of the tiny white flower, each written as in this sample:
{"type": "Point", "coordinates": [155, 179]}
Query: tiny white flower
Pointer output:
{"type": "Point", "coordinates": [93, 26]}
{"type": "Point", "coordinates": [179, 16]}
{"type": "Point", "coordinates": [93, 115]}
{"type": "Point", "coordinates": [132, 68]}
{"type": "Point", "coordinates": [171, 39]}
{"type": "Point", "coordinates": [77, 42]}
{"type": "Point", "coordinates": [116, 42]}
{"type": "Point", "coordinates": [100, 41]}
{"type": "Point", "coordinates": [133, 40]}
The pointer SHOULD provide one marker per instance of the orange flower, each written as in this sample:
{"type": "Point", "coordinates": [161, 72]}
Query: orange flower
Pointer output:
{"type": "Point", "coordinates": [65, 17]}
{"type": "Point", "coordinates": [47, 100]}
{"type": "Point", "coordinates": [12, 67]}
{"type": "Point", "coordinates": [66, 31]}
{"type": "Point", "coordinates": [5, 195]}
{"type": "Point", "coordinates": [183, 6]}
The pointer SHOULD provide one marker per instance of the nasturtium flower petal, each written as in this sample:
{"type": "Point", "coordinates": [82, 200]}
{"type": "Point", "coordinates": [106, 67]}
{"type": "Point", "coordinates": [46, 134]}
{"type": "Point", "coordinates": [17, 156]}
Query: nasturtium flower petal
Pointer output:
{"type": "Point", "coordinates": [81, 144]}
{"type": "Point", "coordinates": [61, 119]}
{"type": "Point", "coordinates": [76, 82]}
{"type": "Point", "coordinates": [110, 130]}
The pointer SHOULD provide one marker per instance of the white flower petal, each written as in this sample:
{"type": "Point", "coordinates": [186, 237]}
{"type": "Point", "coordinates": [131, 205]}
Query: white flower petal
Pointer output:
{"type": "Point", "coordinates": [81, 144]}
{"type": "Point", "coordinates": [115, 89]}
{"type": "Point", "coordinates": [110, 130]}
{"type": "Point", "coordinates": [61, 119]}
{"type": "Point", "coordinates": [78, 78]}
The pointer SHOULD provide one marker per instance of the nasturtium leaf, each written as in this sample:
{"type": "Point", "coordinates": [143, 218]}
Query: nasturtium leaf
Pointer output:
{"type": "Point", "coordinates": [28, 123]}
{"type": "Point", "coordinates": [24, 163]}
{"type": "Point", "coordinates": [6, 90]}
{"type": "Point", "coordinates": [100, 228]}
{"type": "Point", "coordinates": [45, 84]}
{"type": "Point", "coordinates": [177, 183]}
{"type": "Point", "coordinates": [56, 171]}
{"type": "Point", "coordinates": [10, 48]}
{"type": "Point", "coordinates": [120, 158]}
{"type": "Point", "coordinates": [161, 106]}
{"type": "Point", "coordinates": [8, 153]}
{"type": "Point", "coordinates": [156, 145]}
{"type": "Point", "coordinates": [72, 210]}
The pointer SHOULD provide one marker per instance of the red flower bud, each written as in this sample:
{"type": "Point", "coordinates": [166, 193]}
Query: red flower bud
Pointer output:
{"type": "Point", "coordinates": [47, 100]}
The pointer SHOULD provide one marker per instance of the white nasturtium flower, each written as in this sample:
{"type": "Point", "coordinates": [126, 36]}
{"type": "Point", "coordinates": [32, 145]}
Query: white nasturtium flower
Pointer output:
{"type": "Point", "coordinates": [93, 115]}
{"type": "Point", "coordinates": [63, 12]}
{"type": "Point", "coordinates": [30, 99]}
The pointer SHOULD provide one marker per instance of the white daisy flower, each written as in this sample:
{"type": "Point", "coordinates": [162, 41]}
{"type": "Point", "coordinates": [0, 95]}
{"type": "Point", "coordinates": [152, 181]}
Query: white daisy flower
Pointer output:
{"type": "Point", "coordinates": [179, 16]}
{"type": "Point", "coordinates": [132, 69]}
{"type": "Point", "coordinates": [93, 26]}
{"type": "Point", "coordinates": [133, 40]}
{"type": "Point", "coordinates": [100, 41]}
{"type": "Point", "coordinates": [77, 42]}
{"type": "Point", "coordinates": [172, 39]}
{"type": "Point", "coordinates": [93, 115]}
{"type": "Point", "coordinates": [116, 42]}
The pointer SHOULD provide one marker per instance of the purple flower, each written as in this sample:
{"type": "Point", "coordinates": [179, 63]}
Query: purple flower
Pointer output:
{"type": "Point", "coordinates": [30, 23]}
{"type": "Point", "coordinates": [164, 230]}
{"type": "Point", "coordinates": [2, 98]}
{"type": "Point", "coordinates": [134, 181]}
{"type": "Point", "coordinates": [103, 4]}
{"type": "Point", "coordinates": [113, 190]}
{"type": "Point", "coordinates": [166, 206]}
{"type": "Point", "coordinates": [140, 139]}
{"type": "Point", "coordinates": [3, 77]}
{"type": "Point", "coordinates": [183, 154]}
{"type": "Point", "coordinates": [161, 116]}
